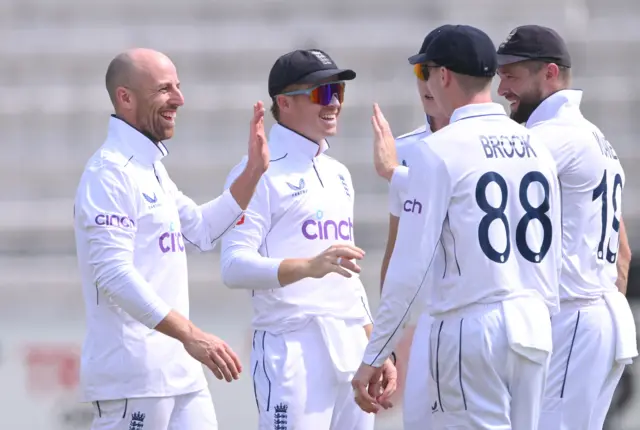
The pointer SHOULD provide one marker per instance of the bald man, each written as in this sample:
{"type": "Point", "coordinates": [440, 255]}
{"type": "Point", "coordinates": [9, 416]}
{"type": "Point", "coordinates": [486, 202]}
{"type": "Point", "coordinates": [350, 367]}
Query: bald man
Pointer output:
{"type": "Point", "coordinates": [141, 355]}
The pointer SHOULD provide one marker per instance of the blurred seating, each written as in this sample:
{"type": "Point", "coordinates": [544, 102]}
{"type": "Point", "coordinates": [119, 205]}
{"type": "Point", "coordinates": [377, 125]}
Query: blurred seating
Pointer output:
{"type": "Point", "coordinates": [55, 108]}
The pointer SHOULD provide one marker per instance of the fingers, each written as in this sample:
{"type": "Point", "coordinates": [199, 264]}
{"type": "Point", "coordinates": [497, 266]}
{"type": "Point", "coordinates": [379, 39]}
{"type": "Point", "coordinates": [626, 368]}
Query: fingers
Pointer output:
{"type": "Point", "coordinates": [364, 400]}
{"type": "Point", "coordinates": [389, 389]}
{"type": "Point", "coordinates": [376, 126]}
{"type": "Point", "coordinates": [377, 113]}
{"type": "Point", "coordinates": [349, 265]}
{"type": "Point", "coordinates": [226, 365]}
{"type": "Point", "coordinates": [214, 368]}
{"type": "Point", "coordinates": [346, 252]}
{"type": "Point", "coordinates": [235, 358]}
{"type": "Point", "coordinates": [342, 272]}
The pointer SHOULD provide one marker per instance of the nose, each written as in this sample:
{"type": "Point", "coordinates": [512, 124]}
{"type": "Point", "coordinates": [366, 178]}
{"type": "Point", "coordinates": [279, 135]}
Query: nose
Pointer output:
{"type": "Point", "coordinates": [178, 98]}
{"type": "Point", "coordinates": [502, 88]}
{"type": "Point", "coordinates": [334, 101]}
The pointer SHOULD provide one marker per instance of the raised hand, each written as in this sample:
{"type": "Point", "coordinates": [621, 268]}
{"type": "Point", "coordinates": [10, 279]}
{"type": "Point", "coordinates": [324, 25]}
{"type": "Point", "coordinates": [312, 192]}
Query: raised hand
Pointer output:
{"type": "Point", "coordinates": [385, 157]}
{"type": "Point", "coordinates": [258, 152]}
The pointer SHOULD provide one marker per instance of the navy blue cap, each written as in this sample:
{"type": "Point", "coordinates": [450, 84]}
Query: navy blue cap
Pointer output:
{"type": "Point", "coordinates": [304, 67]}
{"type": "Point", "coordinates": [465, 50]}
{"type": "Point", "coordinates": [420, 56]}
{"type": "Point", "coordinates": [534, 42]}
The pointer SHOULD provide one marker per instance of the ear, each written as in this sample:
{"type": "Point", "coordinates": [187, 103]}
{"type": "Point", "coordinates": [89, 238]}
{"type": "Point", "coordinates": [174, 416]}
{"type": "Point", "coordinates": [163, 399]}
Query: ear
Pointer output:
{"type": "Point", "coordinates": [552, 71]}
{"type": "Point", "coordinates": [445, 77]}
{"type": "Point", "coordinates": [124, 97]}
{"type": "Point", "coordinates": [283, 102]}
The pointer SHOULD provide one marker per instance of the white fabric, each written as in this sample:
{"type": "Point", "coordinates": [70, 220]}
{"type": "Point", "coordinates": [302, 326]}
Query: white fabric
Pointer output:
{"type": "Point", "coordinates": [583, 372]}
{"type": "Point", "coordinates": [528, 328]}
{"type": "Point", "coordinates": [303, 205]}
{"type": "Point", "coordinates": [193, 411]}
{"type": "Point", "coordinates": [130, 220]}
{"type": "Point", "coordinates": [592, 180]}
{"type": "Point", "coordinates": [624, 327]}
{"type": "Point", "coordinates": [399, 184]}
{"type": "Point", "coordinates": [477, 379]}
{"type": "Point", "coordinates": [416, 401]}
{"type": "Point", "coordinates": [296, 385]}
{"type": "Point", "coordinates": [446, 238]}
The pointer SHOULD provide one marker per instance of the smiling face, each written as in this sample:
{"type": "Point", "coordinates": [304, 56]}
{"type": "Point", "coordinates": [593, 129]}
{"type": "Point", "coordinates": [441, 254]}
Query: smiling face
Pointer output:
{"type": "Point", "coordinates": [523, 85]}
{"type": "Point", "coordinates": [312, 120]}
{"type": "Point", "coordinates": [151, 101]}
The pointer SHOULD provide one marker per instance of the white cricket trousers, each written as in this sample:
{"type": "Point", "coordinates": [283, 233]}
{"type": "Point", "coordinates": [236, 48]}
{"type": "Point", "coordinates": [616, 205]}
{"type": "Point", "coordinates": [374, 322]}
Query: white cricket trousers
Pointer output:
{"type": "Point", "coordinates": [583, 373]}
{"type": "Point", "coordinates": [193, 411]}
{"type": "Point", "coordinates": [479, 382]}
{"type": "Point", "coordinates": [416, 404]}
{"type": "Point", "coordinates": [297, 386]}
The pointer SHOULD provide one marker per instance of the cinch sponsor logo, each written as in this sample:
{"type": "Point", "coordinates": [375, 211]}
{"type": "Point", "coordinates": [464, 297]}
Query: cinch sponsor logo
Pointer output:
{"type": "Point", "coordinates": [413, 206]}
{"type": "Point", "coordinates": [171, 241]}
{"type": "Point", "coordinates": [327, 229]}
{"type": "Point", "coordinates": [114, 220]}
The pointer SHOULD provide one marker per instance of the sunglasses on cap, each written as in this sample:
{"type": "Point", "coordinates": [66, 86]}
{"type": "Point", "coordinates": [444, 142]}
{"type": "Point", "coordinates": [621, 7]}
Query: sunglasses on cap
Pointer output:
{"type": "Point", "coordinates": [421, 70]}
{"type": "Point", "coordinates": [322, 94]}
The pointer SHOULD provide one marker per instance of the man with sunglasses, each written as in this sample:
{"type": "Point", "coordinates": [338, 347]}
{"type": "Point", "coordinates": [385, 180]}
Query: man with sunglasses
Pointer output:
{"type": "Point", "coordinates": [479, 230]}
{"type": "Point", "coordinates": [295, 249]}
{"type": "Point", "coordinates": [594, 332]}
{"type": "Point", "coordinates": [416, 405]}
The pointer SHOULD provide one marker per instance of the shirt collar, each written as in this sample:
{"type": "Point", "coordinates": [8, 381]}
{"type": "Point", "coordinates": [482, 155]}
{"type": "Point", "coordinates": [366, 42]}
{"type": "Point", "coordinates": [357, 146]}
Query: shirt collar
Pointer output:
{"type": "Point", "coordinates": [295, 142]}
{"type": "Point", "coordinates": [143, 149]}
{"type": "Point", "coordinates": [553, 105]}
{"type": "Point", "coordinates": [476, 110]}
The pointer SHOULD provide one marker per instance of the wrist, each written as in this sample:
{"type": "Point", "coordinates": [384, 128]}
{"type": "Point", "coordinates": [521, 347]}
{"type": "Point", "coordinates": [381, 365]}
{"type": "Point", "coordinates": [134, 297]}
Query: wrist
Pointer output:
{"type": "Point", "coordinates": [393, 358]}
{"type": "Point", "coordinates": [390, 170]}
{"type": "Point", "coordinates": [253, 171]}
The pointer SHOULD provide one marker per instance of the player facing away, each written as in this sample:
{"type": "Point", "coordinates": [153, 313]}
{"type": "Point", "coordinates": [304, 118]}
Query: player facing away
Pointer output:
{"type": "Point", "coordinates": [480, 231]}
{"type": "Point", "coordinates": [416, 407]}
{"type": "Point", "coordinates": [594, 332]}
{"type": "Point", "coordinates": [131, 225]}
{"type": "Point", "coordinates": [294, 249]}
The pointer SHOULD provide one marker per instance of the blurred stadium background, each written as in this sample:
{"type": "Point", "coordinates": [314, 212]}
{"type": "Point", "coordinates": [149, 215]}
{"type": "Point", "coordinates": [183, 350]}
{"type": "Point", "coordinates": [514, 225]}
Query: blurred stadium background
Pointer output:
{"type": "Point", "coordinates": [54, 112]}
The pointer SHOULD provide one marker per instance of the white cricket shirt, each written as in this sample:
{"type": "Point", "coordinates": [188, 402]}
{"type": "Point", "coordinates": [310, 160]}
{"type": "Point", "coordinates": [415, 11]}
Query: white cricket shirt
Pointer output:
{"type": "Point", "coordinates": [399, 186]}
{"type": "Point", "coordinates": [591, 179]}
{"type": "Point", "coordinates": [481, 190]}
{"type": "Point", "coordinates": [131, 224]}
{"type": "Point", "coordinates": [302, 206]}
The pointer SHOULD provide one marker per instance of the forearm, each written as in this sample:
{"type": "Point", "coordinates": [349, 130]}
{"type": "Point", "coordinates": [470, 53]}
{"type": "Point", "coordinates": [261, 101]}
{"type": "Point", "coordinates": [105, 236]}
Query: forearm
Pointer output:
{"type": "Point", "coordinates": [385, 266]}
{"type": "Point", "coordinates": [219, 216]}
{"type": "Point", "coordinates": [249, 270]}
{"type": "Point", "coordinates": [368, 329]}
{"type": "Point", "coordinates": [623, 263]}
{"type": "Point", "coordinates": [293, 270]}
{"type": "Point", "coordinates": [244, 186]}
{"type": "Point", "coordinates": [391, 243]}
{"type": "Point", "coordinates": [624, 259]}
{"type": "Point", "coordinates": [178, 327]}
{"type": "Point", "coordinates": [128, 289]}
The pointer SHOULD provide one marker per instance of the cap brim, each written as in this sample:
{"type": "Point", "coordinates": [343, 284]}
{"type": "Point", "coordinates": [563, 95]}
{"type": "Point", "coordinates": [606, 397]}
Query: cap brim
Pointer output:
{"type": "Point", "coordinates": [503, 59]}
{"type": "Point", "coordinates": [320, 75]}
{"type": "Point", "coordinates": [418, 59]}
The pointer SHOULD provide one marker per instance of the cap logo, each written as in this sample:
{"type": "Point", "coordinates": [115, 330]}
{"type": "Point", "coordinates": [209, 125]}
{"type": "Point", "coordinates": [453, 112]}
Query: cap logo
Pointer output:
{"type": "Point", "coordinates": [322, 58]}
{"type": "Point", "coordinates": [513, 32]}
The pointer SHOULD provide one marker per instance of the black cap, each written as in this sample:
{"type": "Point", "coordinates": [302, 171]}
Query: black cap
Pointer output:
{"type": "Point", "coordinates": [304, 67]}
{"type": "Point", "coordinates": [534, 42]}
{"type": "Point", "coordinates": [465, 50]}
{"type": "Point", "coordinates": [420, 56]}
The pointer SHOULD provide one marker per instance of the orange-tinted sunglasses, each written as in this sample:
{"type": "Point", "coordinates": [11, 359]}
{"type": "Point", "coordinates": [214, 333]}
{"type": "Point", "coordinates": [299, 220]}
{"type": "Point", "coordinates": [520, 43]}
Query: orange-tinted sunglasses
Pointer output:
{"type": "Point", "coordinates": [421, 70]}
{"type": "Point", "coordinates": [322, 94]}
